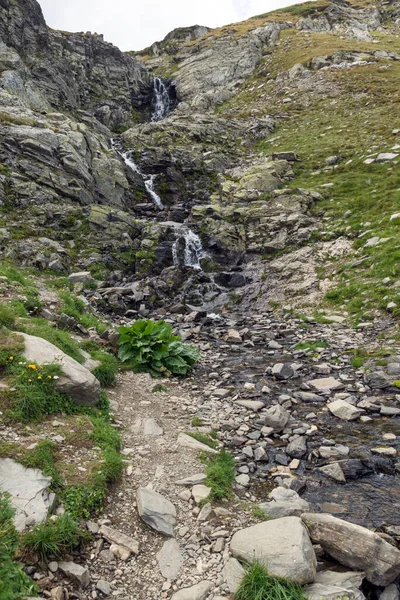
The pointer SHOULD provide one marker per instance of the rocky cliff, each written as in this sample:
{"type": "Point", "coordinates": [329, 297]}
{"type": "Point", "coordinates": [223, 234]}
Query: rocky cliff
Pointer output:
{"type": "Point", "coordinates": [274, 116]}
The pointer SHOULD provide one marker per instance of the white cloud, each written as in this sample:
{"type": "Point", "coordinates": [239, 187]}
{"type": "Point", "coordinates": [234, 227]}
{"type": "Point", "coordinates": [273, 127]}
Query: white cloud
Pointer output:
{"type": "Point", "coordinates": [134, 24]}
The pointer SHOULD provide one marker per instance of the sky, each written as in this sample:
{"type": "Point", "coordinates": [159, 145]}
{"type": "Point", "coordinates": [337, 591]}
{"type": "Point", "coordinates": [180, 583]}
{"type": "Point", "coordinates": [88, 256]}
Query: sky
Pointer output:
{"type": "Point", "coordinates": [136, 24]}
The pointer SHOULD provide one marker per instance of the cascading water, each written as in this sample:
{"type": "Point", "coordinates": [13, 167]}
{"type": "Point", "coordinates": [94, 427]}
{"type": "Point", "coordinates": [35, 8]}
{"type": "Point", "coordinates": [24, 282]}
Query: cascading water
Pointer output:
{"type": "Point", "coordinates": [187, 250]}
{"type": "Point", "coordinates": [161, 100]}
{"type": "Point", "coordinates": [148, 179]}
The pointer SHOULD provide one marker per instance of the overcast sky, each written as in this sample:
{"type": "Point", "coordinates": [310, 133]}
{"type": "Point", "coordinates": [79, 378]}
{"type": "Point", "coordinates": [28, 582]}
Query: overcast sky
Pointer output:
{"type": "Point", "coordinates": [135, 24]}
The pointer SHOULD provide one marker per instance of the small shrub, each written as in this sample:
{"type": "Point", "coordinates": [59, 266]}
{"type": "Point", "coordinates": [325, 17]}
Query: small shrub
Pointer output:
{"type": "Point", "coordinates": [159, 388]}
{"type": "Point", "coordinates": [53, 538]}
{"type": "Point", "coordinates": [197, 422]}
{"type": "Point", "coordinates": [258, 584]}
{"type": "Point", "coordinates": [152, 347]}
{"type": "Point", "coordinates": [105, 435]}
{"type": "Point", "coordinates": [14, 583]}
{"type": "Point", "coordinates": [84, 500]}
{"type": "Point", "coordinates": [220, 471]}
{"type": "Point", "coordinates": [43, 457]}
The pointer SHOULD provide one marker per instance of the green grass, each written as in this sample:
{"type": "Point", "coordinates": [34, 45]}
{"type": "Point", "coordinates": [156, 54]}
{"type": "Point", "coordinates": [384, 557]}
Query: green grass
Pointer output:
{"type": "Point", "coordinates": [53, 538]}
{"type": "Point", "coordinates": [14, 583]}
{"type": "Point", "coordinates": [62, 339]}
{"type": "Point", "coordinates": [159, 387]}
{"type": "Point", "coordinates": [220, 471]}
{"type": "Point", "coordinates": [44, 457]}
{"type": "Point", "coordinates": [313, 346]}
{"type": "Point", "coordinates": [106, 372]}
{"type": "Point", "coordinates": [258, 584]}
{"type": "Point", "coordinates": [197, 422]}
{"type": "Point", "coordinates": [74, 307]}
{"type": "Point", "coordinates": [259, 514]}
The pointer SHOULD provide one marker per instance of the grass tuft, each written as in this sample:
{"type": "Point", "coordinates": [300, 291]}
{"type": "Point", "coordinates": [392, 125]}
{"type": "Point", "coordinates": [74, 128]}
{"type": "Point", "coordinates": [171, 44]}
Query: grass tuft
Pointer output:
{"type": "Point", "coordinates": [220, 471]}
{"type": "Point", "coordinates": [53, 538]}
{"type": "Point", "coordinates": [258, 584]}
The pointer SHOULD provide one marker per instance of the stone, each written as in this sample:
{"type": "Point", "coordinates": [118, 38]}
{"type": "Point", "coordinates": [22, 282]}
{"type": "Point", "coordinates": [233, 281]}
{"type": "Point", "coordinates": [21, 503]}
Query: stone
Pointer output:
{"type": "Point", "coordinates": [200, 492]}
{"type": "Point", "coordinates": [243, 479]}
{"type": "Point", "coordinates": [78, 574]}
{"type": "Point", "coordinates": [343, 410]}
{"type": "Point", "coordinates": [391, 592]}
{"type": "Point", "coordinates": [151, 428]}
{"type": "Point", "coordinates": [75, 380]}
{"type": "Point", "coordinates": [192, 479]}
{"type": "Point", "coordinates": [233, 573]}
{"type": "Point", "coordinates": [355, 547]}
{"type": "Point", "coordinates": [282, 371]}
{"type": "Point", "coordinates": [156, 511]}
{"type": "Point", "coordinates": [386, 157]}
{"type": "Point", "coordinates": [288, 507]}
{"type": "Point", "coordinates": [199, 591]}
{"type": "Point", "coordinates": [385, 451]}
{"type": "Point", "coordinates": [326, 383]}
{"type": "Point", "coordinates": [104, 587]}
{"type": "Point", "coordinates": [254, 405]}
{"type": "Point", "coordinates": [121, 539]}
{"type": "Point", "coordinates": [334, 471]}
{"type": "Point", "coordinates": [189, 442]}
{"type": "Point", "coordinates": [81, 277]}
{"type": "Point", "coordinates": [297, 448]}
{"type": "Point", "coordinates": [283, 544]}
{"type": "Point", "coordinates": [170, 560]}
{"type": "Point", "coordinates": [377, 379]}
{"type": "Point", "coordinates": [276, 417]}
{"type": "Point", "coordinates": [233, 337]}
{"type": "Point", "coordinates": [390, 411]}
{"type": "Point", "coordinates": [28, 489]}
{"type": "Point", "coordinates": [336, 585]}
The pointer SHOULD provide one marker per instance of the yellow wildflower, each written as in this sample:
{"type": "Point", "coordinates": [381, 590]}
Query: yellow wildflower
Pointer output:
{"type": "Point", "coordinates": [39, 377]}
{"type": "Point", "coordinates": [11, 358]}
{"type": "Point", "coordinates": [48, 376]}
{"type": "Point", "coordinates": [33, 367]}
{"type": "Point", "coordinates": [30, 380]}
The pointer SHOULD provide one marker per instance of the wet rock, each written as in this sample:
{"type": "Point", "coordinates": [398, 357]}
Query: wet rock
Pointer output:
{"type": "Point", "coordinates": [156, 511]}
{"type": "Point", "coordinates": [28, 489]}
{"type": "Point", "coordinates": [297, 448]}
{"type": "Point", "coordinates": [377, 380]}
{"type": "Point", "coordinates": [343, 410]}
{"type": "Point", "coordinates": [276, 417]}
{"type": "Point", "coordinates": [170, 560]}
{"type": "Point", "coordinates": [385, 451]}
{"type": "Point", "coordinates": [355, 547]}
{"type": "Point", "coordinates": [196, 592]}
{"type": "Point", "coordinates": [284, 503]}
{"type": "Point", "coordinates": [282, 544]}
{"type": "Point", "coordinates": [282, 371]}
{"type": "Point", "coordinates": [334, 471]}
{"type": "Point", "coordinates": [78, 574]}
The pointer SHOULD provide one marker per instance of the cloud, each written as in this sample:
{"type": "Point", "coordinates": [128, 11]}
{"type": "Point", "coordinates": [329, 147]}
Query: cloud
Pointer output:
{"type": "Point", "coordinates": [133, 25]}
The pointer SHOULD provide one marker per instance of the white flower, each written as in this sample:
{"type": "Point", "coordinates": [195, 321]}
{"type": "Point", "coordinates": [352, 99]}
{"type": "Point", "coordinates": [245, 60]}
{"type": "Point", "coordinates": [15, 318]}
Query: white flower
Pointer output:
{"type": "Point", "coordinates": [56, 377]}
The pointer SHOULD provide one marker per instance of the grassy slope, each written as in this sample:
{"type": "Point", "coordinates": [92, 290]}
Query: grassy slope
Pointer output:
{"type": "Point", "coordinates": [350, 113]}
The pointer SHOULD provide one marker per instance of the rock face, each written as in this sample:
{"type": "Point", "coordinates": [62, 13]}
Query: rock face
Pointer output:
{"type": "Point", "coordinates": [155, 510]}
{"type": "Point", "coordinates": [75, 381]}
{"type": "Point", "coordinates": [282, 544]}
{"type": "Point", "coordinates": [355, 547]}
{"type": "Point", "coordinates": [28, 492]}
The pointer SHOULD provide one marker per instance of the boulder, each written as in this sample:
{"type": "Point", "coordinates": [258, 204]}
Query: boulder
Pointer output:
{"type": "Point", "coordinates": [336, 585]}
{"type": "Point", "coordinates": [156, 511]}
{"type": "Point", "coordinates": [355, 547]}
{"type": "Point", "coordinates": [282, 544]}
{"type": "Point", "coordinates": [28, 489]}
{"type": "Point", "coordinates": [297, 448]}
{"type": "Point", "coordinates": [78, 574]}
{"type": "Point", "coordinates": [284, 503]}
{"type": "Point", "coordinates": [75, 380]}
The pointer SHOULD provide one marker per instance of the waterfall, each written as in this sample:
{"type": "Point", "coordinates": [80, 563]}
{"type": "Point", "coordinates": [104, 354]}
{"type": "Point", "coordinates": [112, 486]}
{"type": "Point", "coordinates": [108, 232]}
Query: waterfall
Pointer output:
{"type": "Point", "coordinates": [161, 100]}
{"type": "Point", "coordinates": [148, 179]}
{"type": "Point", "coordinates": [187, 250]}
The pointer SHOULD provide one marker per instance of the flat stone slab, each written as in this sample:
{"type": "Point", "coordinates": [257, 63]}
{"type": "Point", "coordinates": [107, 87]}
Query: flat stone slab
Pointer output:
{"type": "Point", "coordinates": [192, 479]}
{"type": "Point", "coordinates": [116, 537]}
{"type": "Point", "coordinates": [233, 574]}
{"type": "Point", "coordinates": [200, 492]}
{"type": "Point", "coordinates": [282, 544]}
{"type": "Point", "coordinates": [196, 592]}
{"type": "Point", "coordinates": [355, 547]}
{"type": "Point", "coordinates": [78, 574]}
{"type": "Point", "coordinates": [326, 383]}
{"type": "Point", "coordinates": [254, 405]}
{"type": "Point", "coordinates": [170, 559]}
{"type": "Point", "coordinates": [156, 511]}
{"type": "Point", "coordinates": [189, 442]}
{"type": "Point", "coordinates": [28, 491]}
{"type": "Point", "coordinates": [343, 410]}
{"type": "Point", "coordinates": [152, 428]}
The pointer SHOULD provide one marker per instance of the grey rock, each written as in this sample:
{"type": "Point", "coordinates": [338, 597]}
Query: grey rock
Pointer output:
{"type": "Point", "coordinates": [104, 587]}
{"type": "Point", "coordinates": [189, 442]}
{"type": "Point", "coordinates": [334, 471]}
{"type": "Point", "coordinates": [78, 574]}
{"type": "Point", "coordinates": [75, 380]}
{"type": "Point", "coordinates": [326, 383]}
{"type": "Point", "coordinates": [28, 489]}
{"type": "Point", "coordinates": [170, 559]}
{"type": "Point", "coordinates": [343, 410]}
{"type": "Point", "coordinates": [151, 428]}
{"type": "Point", "coordinates": [297, 448]}
{"type": "Point", "coordinates": [282, 371]}
{"type": "Point", "coordinates": [196, 592]}
{"type": "Point", "coordinates": [81, 277]}
{"type": "Point", "coordinates": [391, 592]}
{"type": "Point", "coordinates": [355, 547]}
{"type": "Point", "coordinates": [192, 479]}
{"type": "Point", "coordinates": [276, 417]}
{"type": "Point", "coordinates": [282, 544]}
{"type": "Point", "coordinates": [233, 573]}
{"type": "Point", "coordinates": [377, 380]}
{"type": "Point", "coordinates": [156, 511]}
{"type": "Point", "coordinates": [200, 492]}
{"type": "Point", "coordinates": [121, 539]}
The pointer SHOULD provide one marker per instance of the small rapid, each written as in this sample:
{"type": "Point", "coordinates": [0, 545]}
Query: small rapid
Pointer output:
{"type": "Point", "coordinates": [161, 100]}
